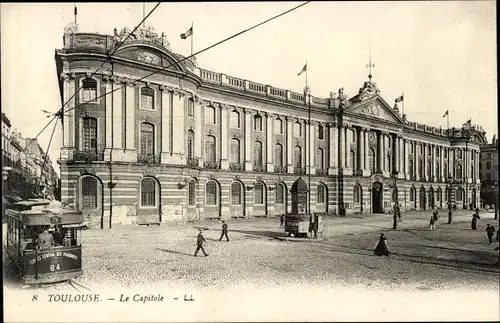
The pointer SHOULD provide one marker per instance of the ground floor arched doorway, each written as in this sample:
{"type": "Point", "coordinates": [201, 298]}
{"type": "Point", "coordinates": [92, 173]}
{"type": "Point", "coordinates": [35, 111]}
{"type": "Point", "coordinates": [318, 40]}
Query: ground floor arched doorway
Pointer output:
{"type": "Point", "coordinates": [377, 197]}
{"type": "Point", "coordinates": [422, 198]}
{"type": "Point", "coordinates": [299, 196]}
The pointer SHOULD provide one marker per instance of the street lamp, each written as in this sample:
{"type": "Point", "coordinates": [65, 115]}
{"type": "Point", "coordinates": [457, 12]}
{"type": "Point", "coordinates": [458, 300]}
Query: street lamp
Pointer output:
{"type": "Point", "coordinates": [450, 215]}
{"type": "Point", "coordinates": [497, 199]}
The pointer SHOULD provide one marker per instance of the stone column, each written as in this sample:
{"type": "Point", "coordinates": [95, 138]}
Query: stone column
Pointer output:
{"type": "Point", "coordinates": [384, 154]}
{"type": "Point", "coordinates": [342, 147]}
{"type": "Point", "coordinates": [269, 142]}
{"type": "Point", "coordinates": [451, 163]}
{"type": "Point", "coordinates": [310, 159]}
{"type": "Point", "coordinates": [178, 137]}
{"type": "Point", "coordinates": [198, 139]}
{"type": "Point", "coordinates": [441, 163]}
{"type": "Point", "coordinates": [401, 167]}
{"type": "Point", "coordinates": [361, 150]}
{"type": "Point", "coordinates": [117, 120]}
{"type": "Point", "coordinates": [397, 155]}
{"type": "Point", "coordinates": [348, 160]}
{"type": "Point", "coordinates": [366, 168]}
{"type": "Point", "coordinates": [333, 149]}
{"type": "Point", "coordinates": [426, 176]}
{"type": "Point", "coordinates": [407, 158]}
{"type": "Point", "coordinates": [165, 124]}
{"type": "Point", "coordinates": [433, 168]}
{"type": "Point", "coordinates": [289, 144]}
{"type": "Point", "coordinates": [248, 140]}
{"type": "Point", "coordinates": [130, 131]}
{"type": "Point", "coordinates": [380, 152]}
{"type": "Point", "coordinates": [478, 179]}
{"type": "Point", "coordinates": [109, 119]}
{"type": "Point", "coordinates": [69, 129]}
{"type": "Point", "coordinates": [224, 143]}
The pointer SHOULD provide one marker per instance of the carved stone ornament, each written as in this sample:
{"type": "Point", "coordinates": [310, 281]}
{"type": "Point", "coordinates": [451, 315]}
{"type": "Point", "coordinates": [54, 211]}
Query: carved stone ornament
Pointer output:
{"type": "Point", "coordinates": [368, 90]}
{"type": "Point", "coordinates": [149, 58]}
{"type": "Point", "coordinates": [258, 138]}
{"type": "Point", "coordinates": [211, 176]}
{"type": "Point", "coordinates": [371, 137]}
{"type": "Point", "coordinates": [89, 114]}
{"type": "Point", "coordinates": [278, 141]}
{"type": "Point", "coordinates": [211, 132]}
{"type": "Point", "coordinates": [87, 171]}
{"type": "Point", "coordinates": [148, 119]}
{"type": "Point", "coordinates": [258, 179]}
{"type": "Point", "coordinates": [237, 136]}
{"type": "Point", "coordinates": [236, 178]}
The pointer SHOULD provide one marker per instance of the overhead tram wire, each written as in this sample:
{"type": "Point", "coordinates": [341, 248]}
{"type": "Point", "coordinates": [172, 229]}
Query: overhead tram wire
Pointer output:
{"type": "Point", "coordinates": [60, 112]}
{"type": "Point", "coordinates": [111, 54]}
{"type": "Point", "coordinates": [194, 54]}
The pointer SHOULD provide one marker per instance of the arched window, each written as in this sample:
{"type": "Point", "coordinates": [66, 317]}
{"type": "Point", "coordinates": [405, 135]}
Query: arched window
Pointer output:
{"type": "Point", "coordinates": [320, 156]}
{"type": "Point", "coordinates": [445, 171]}
{"type": "Point", "coordinates": [297, 130]}
{"type": "Point", "coordinates": [147, 98]}
{"type": "Point", "coordinates": [257, 153]}
{"type": "Point", "coordinates": [89, 192]}
{"type": "Point", "coordinates": [320, 194]}
{"type": "Point", "coordinates": [437, 172]}
{"type": "Point", "coordinates": [259, 194]}
{"type": "Point", "coordinates": [235, 119]}
{"type": "Point", "coordinates": [458, 172]}
{"type": "Point", "coordinates": [89, 90]}
{"type": "Point", "coordinates": [210, 115]}
{"type": "Point", "coordinates": [190, 146]}
{"type": "Point", "coordinates": [147, 139]}
{"type": "Point", "coordinates": [421, 147]}
{"type": "Point", "coordinates": [210, 148]}
{"type": "Point", "coordinates": [235, 150]}
{"type": "Point", "coordinates": [472, 172]}
{"type": "Point", "coordinates": [278, 126]}
{"type": "Point", "coordinates": [411, 148]}
{"type": "Point", "coordinates": [89, 140]}
{"type": "Point", "coordinates": [357, 194]}
{"type": "Point", "coordinates": [211, 193]}
{"type": "Point", "coordinates": [190, 107]}
{"type": "Point", "coordinates": [438, 194]}
{"type": "Point", "coordinates": [437, 152]}
{"type": "Point", "coordinates": [297, 156]}
{"type": "Point", "coordinates": [371, 160]}
{"type": "Point", "coordinates": [236, 193]}
{"type": "Point", "coordinates": [420, 169]}
{"type": "Point", "coordinates": [459, 195]}
{"type": "Point", "coordinates": [321, 134]}
{"type": "Point", "coordinates": [278, 155]}
{"type": "Point", "coordinates": [353, 159]}
{"type": "Point", "coordinates": [280, 193]}
{"type": "Point", "coordinates": [412, 194]}
{"type": "Point", "coordinates": [410, 166]}
{"type": "Point", "coordinates": [148, 192]}
{"type": "Point", "coordinates": [429, 169]}
{"type": "Point", "coordinates": [191, 192]}
{"type": "Point", "coordinates": [458, 153]}
{"type": "Point", "coordinates": [389, 163]}
{"type": "Point", "coordinates": [257, 122]}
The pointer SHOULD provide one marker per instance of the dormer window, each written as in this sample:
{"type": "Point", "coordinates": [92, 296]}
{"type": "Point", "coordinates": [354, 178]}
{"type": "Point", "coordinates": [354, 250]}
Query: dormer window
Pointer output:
{"type": "Point", "coordinates": [147, 98]}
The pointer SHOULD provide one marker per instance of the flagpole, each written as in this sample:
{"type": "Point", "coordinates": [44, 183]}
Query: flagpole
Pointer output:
{"type": "Point", "coordinates": [403, 104]}
{"type": "Point", "coordinates": [306, 73]}
{"type": "Point", "coordinates": [192, 36]}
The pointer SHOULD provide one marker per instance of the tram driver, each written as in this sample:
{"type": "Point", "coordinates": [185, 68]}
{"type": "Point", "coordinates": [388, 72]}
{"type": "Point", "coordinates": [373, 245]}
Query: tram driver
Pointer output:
{"type": "Point", "coordinates": [45, 239]}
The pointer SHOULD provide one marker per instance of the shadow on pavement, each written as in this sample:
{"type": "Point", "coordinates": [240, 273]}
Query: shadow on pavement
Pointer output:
{"type": "Point", "coordinates": [176, 252]}
{"type": "Point", "coordinates": [266, 234]}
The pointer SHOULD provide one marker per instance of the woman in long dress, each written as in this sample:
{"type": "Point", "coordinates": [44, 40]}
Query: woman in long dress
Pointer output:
{"type": "Point", "coordinates": [475, 217]}
{"type": "Point", "coordinates": [381, 249]}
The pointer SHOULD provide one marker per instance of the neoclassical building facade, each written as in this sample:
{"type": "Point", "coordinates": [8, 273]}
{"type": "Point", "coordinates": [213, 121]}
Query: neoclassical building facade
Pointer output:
{"type": "Point", "coordinates": [152, 137]}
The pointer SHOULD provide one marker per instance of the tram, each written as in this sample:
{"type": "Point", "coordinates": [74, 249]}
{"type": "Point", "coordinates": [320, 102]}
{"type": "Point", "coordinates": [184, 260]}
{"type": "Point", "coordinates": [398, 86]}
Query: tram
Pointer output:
{"type": "Point", "coordinates": [44, 241]}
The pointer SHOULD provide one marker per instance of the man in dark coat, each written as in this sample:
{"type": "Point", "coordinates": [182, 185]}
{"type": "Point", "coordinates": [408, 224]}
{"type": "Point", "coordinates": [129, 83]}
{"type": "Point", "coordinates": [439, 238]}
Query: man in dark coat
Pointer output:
{"type": "Point", "coordinates": [224, 231]}
{"type": "Point", "coordinates": [199, 244]}
{"type": "Point", "coordinates": [475, 217]}
{"type": "Point", "coordinates": [282, 221]}
{"type": "Point", "coordinates": [490, 231]}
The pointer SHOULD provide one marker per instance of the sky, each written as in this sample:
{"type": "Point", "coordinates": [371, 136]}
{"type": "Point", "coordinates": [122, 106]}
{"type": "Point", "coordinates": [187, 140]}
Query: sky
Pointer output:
{"type": "Point", "coordinates": [440, 54]}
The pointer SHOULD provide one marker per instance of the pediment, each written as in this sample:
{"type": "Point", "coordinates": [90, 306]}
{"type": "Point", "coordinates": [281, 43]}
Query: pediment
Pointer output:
{"type": "Point", "coordinates": [376, 108]}
{"type": "Point", "coordinates": [150, 55]}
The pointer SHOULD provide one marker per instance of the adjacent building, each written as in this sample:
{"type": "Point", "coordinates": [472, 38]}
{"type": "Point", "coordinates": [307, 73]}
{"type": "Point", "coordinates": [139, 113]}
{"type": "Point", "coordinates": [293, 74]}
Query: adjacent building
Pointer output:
{"type": "Point", "coordinates": [489, 173]}
{"type": "Point", "coordinates": [152, 137]}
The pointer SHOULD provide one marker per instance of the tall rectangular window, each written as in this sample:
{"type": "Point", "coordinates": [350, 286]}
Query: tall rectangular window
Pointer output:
{"type": "Point", "coordinates": [89, 142]}
{"type": "Point", "coordinates": [147, 98]}
{"type": "Point", "coordinates": [257, 151]}
{"type": "Point", "coordinates": [210, 148]}
{"type": "Point", "coordinates": [147, 139]}
{"type": "Point", "coordinates": [89, 90]}
{"type": "Point", "coordinates": [235, 150]}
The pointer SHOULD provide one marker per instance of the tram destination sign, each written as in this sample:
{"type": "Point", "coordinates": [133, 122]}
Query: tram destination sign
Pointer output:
{"type": "Point", "coordinates": [53, 261]}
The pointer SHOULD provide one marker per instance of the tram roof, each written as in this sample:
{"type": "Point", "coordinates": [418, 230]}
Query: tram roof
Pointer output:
{"type": "Point", "coordinates": [48, 214]}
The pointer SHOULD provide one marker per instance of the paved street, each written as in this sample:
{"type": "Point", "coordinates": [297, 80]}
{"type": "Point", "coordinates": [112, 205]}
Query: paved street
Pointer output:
{"type": "Point", "coordinates": [452, 257]}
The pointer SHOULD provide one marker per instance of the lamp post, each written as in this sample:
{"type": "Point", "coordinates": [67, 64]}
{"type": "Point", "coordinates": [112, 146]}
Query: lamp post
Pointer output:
{"type": "Point", "coordinates": [450, 214]}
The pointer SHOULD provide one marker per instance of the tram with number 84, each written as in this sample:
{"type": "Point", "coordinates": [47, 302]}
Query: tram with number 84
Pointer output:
{"type": "Point", "coordinates": [43, 241]}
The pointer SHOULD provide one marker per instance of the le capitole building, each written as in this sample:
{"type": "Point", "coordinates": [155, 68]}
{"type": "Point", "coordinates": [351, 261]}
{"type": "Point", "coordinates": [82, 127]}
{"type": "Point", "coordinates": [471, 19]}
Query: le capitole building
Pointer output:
{"type": "Point", "coordinates": [172, 142]}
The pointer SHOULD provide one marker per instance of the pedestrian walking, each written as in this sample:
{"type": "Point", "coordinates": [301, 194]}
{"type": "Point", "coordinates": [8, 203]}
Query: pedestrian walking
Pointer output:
{"type": "Point", "coordinates": [490, 231]}
{"type": "Point", "coordinates": [435, 215]}
{"type": "Point", "coordinates": [432, 223]}
{"type": "Point", "coordinates": [282, 220]}
{"type": "Point", "coordinates": [342, 210]}
{"type": "Point", "coordinates": [315, 226]}
{"type": "Point", "coordinates": [381, 249]}
{"type": "Point", "coordinates": [394, 221]}
{"type": "Point", "coordinates": [397, 209]}
{"type": "Point", "coordinates": [224, 231]}
{"type": "Point", "coordinates": [475, 217]}
{"type": "Point", "coordinates": [199, 244]}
